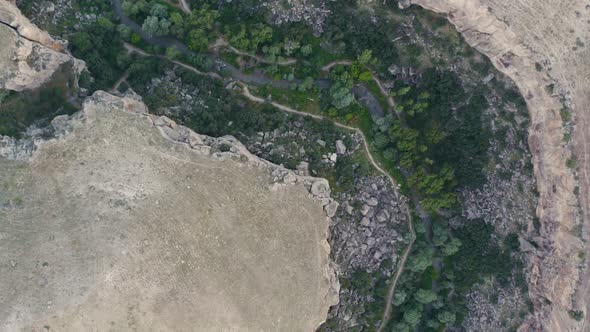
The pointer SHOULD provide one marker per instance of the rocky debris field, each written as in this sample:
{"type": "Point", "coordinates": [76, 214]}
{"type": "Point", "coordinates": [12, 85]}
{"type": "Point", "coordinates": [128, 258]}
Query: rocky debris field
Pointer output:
{"type": "Point", "coordinates": [312, 13]}
{"type": "Point", "coordinates": [365, 231]}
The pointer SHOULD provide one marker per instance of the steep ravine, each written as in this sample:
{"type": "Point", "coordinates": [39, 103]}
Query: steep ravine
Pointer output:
{"type": "Point", "coordinates": [527, 42]}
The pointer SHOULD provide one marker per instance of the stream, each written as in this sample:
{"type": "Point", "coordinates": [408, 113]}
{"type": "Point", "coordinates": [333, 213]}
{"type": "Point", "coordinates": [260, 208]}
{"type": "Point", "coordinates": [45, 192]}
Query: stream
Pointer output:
{"type": "Point", "coordinates": [363, 95]}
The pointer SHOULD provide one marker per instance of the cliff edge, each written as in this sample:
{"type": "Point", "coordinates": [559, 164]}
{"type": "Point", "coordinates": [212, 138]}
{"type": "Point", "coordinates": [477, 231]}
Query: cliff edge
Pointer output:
{"type": "Point", "coordinates": [125, 220]}
{"type": "Point", "coordinates": [541, 46]}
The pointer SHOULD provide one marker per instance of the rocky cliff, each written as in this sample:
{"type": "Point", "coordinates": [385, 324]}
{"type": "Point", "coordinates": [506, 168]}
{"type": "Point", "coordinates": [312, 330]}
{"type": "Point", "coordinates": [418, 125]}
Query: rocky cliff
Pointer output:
{"type": "Point", "coordinates": [126, 220]}
{"type": "Point", "coordinates": [29, 56]}
{"type": "Point", "coordinates": [540, 45]}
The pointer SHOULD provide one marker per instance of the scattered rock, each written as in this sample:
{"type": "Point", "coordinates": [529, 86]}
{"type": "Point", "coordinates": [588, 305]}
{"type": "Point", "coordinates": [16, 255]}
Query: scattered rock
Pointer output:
{"type": "Point", "coordinates": [365, 209]}
{"type": "Point", "coordinates": [340, 147]}
{"type": "Point", "coordinates": [372, 201]}
{"type": "Point", "coordinates": [365, 221]}
{"type": "Point", "coordinates": [331, 209]}
{"type": "Point", "coordinates": [382, 216]}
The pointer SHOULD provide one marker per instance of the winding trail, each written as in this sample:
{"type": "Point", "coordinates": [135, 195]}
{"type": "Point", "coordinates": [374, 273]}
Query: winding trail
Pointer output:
{"type": "Point", "coordinates": [391, 291]}
{"type": "Point", "coordinates": [336, 63]}
{"type": "Point", "coordinates": [185, 7]}
{"type": "Point", "coordinates": [243, 79]}
{"type": "Point", "coordinates": [222, 43]}
{"type": "Point", "coordinates": [119, 81]}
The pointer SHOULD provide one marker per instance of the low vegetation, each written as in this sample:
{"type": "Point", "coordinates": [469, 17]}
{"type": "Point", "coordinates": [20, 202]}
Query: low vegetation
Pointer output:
{"type": "Point", "coordinates": [434, 142]}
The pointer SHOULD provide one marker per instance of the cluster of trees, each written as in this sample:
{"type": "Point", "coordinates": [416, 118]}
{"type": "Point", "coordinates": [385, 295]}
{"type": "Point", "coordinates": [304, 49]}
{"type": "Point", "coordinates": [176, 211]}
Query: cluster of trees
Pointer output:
{"type": "Point", "coordinates": [199, 28]}
{"type": "Point", "coordinates": [158, 19]}
{"type": "Point", "coordinates": [466, 258]}
{"type": "Point", "coordinates": [158, 23]}
{"type": "Point", "coordinates": [250, 38]}
{"type": "Point", "coordinates": [340, 100]}
{"type": "Point", "coordinates": [437, 138]}
{"type": "Point", "coordinates": [340, 93]}
{"type": "Point", "coordinates": [100, 45]}
{"type": "Point", "coordinates": [351, 30]}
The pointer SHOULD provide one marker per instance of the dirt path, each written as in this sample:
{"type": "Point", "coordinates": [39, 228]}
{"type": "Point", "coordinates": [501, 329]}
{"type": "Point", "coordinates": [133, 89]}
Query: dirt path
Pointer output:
{"type": "Point", "coordinates": [387, 96]}
{"type": "Point", "coordinates": [119, 81]}
{"type": "Point", "coordinates": [400, 270]}
{"type": "Point", "coordinates": [336, 63]}
{"type": "Point", "coordinates": [222, 43]}
{"type": "Point", "coordinates": [185, 7]}
{"type": "Point", "coordinates": [182, 5]}
{"type": "Point", "coordinates": [130, 48]}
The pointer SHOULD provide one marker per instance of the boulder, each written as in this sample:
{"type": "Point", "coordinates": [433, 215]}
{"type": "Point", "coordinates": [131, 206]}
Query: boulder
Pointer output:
{"type": "Point", "coordinates": [340, 147]}
{"type": "Point", "coordinates": [372, 201]}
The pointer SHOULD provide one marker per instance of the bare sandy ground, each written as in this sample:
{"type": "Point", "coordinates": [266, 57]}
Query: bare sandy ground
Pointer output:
{"type": "Point", "coordinates": [113, 227]}
{"type": "Point", "coordinates": [516, 34]}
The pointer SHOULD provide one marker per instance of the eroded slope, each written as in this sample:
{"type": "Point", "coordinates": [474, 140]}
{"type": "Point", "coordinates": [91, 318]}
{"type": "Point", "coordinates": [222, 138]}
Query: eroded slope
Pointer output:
{"type": "Point", "coordinates": [114, 226]}
{"type": "Point", "coordinates": [541, 46]}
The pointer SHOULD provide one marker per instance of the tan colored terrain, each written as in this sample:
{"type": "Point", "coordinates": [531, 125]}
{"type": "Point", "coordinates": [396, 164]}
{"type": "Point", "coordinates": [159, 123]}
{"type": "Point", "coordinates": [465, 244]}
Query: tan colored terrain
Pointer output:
{"type": "Point", "coordinates": [28, 56]}
{"type": "Point", "coordinates": [516, 34]}
{"type": "Point", "coordinates": [130, 222]}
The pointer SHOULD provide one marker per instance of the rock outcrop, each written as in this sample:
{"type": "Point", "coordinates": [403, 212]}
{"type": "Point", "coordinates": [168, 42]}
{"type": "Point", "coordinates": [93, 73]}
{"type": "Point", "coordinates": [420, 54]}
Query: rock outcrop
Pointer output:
{"type": "Point", "coordinates": [541, 46]}
{"type": "Point", "coordinates": [126, 220]}
{"type": "Point", "coordinates": [29, 56]}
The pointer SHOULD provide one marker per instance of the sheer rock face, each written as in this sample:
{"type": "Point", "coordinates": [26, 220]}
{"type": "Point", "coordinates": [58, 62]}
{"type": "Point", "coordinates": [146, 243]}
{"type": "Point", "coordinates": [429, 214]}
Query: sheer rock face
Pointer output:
{"type": "Point", "coordinates": [538, 43]}
{"type": "Point", "coordinates": [126, 220]}
{"type": "Point", "coordinates": [28, 56]}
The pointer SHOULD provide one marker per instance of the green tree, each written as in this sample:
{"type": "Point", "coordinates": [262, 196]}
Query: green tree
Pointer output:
{"type": "Point", "coordinates": [306, 50]}
{"type": "Point", "coordinates": [240, 40]}
{"type": "Point", "coordinates": [389, 154]}
{"type": "Point", "coordinates": [306, 84]}
{"type": "Point", "coordinates": [399, 297]}
{"type": "Point", "coordinates": [365, 57]}
{"type": "Point", "coordinates": [439, 234]}
{"type": "Point", "coordinates": [202, 18]}
{"type": "Point", "coordinates": [197, 40]}
{"type": "Point", "coordinates": [340, 96]}
{"type": "Point", "coordinates": [134, 7]}
{"type": "Point", "coordinates": [365, 76]}
{"type": "Point", "coordinates": [412, 317]}
{"type": "Point", "coordinates": [199, 25]}
{"type": "Point", "coordinates": [135, 38]}
{"type": "Point", "coordinates": [177, 22]}
{"type": "Point", "coordinates": [421, 260]}
{"type": "Point", "coordinates": [159, 10]}
{"type": "Point", "coordinates": [156, 27]}
{"type": "Point", "coordinates": [290, 46]}
{"type": "Point", "coordinates": [446, 317]}
{"type": "Point", "coordinates": [401, 327]}
{"type": "Point", "coordinates": [425, 296]}
{"type": "Point", "coordinates": [172, 53]}
{"type": "Point", "coordinates": [452, 247]}
{"type": "Point", "coordinates": [259, 36]}
{"type": "Point", "coordinates": [124, 31]}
